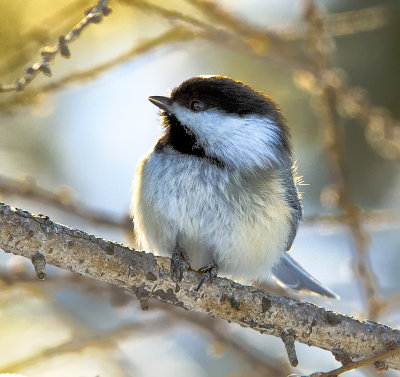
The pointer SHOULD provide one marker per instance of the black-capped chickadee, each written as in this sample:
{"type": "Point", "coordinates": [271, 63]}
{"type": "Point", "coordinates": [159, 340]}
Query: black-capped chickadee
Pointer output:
{"type": "Point", "coordinates": [218, 190]}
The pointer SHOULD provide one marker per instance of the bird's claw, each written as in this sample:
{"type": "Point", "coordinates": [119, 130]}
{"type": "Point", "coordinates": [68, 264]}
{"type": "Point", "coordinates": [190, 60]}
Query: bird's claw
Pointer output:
{"type": "Point", "coordinates": [179, 261]}
{"type": "Point", "coordinates": [209, 272]}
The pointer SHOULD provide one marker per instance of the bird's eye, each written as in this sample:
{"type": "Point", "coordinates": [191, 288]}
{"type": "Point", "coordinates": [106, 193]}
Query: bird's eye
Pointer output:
{"type": "Point", "coordinates": [197, 105]}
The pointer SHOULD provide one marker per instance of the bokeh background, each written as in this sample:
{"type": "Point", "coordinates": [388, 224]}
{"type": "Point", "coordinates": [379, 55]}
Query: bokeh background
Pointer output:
{"type": "Point", "coordinates": [69, 145]}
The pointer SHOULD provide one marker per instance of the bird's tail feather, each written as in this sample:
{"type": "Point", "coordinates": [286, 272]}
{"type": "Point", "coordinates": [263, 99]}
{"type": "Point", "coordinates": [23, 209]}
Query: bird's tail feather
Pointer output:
{"type": "Point", "coordinates": [290, 274]}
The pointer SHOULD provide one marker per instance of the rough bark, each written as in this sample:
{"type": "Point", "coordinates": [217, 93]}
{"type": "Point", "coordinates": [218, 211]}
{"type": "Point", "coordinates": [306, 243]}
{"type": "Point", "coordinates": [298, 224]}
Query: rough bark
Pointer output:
{"type": "Point", "coordinates": [148, 276]}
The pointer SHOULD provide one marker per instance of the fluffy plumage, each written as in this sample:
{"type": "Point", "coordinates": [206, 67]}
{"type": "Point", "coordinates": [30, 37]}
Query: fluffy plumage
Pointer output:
{"type": "Point", "coordinates": [219, 182]}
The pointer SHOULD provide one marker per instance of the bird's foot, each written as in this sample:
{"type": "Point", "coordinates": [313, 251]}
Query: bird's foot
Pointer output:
{"type": "Point", "coordinates": [209, 272]}
{"type": "Point", "coordinates": [179, 261]}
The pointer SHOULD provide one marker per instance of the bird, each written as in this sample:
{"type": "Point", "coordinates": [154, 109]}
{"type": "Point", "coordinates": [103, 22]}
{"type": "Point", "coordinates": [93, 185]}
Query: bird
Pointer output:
{"type": "Point", "coordinates": [217, 192]}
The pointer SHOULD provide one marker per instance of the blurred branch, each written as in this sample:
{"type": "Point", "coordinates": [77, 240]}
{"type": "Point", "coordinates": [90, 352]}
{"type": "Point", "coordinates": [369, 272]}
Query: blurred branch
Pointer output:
{"type": "Point", "coordinates": [370, 17]}
{"type": "Point", "coordinates": [173, 35]}
{"type": "Point", "coordinates": [382, 131]}
{"type": "Point", "coordinates": [321, 45]}
{"type": "Point", "coordinates": [263, 364]}
{"type": "Point", "coordinates": [223, 30]}
{"type": "Point", "coordinates": [261, 41]}
{"type": "Point", "coordinates": [356, 21]}
{"type": "Point", "coordinates": [61, 199]}
{"type": "Point", "coordinates": [106, 339]}
{"type": "Point", "coordinates": [93, 15]}
{"type": "Point", "coordinates": [340, 24]}
{"type": "Point", "coordinates": [357, 364]}
{"type": "Point", "coordinates": [117, 297]}
{"type": "Point", "coordinates": [38, 34]}
{"type": "Point", "coordinates": [393, 302]}
{"type": "Point", "coordinates": [148, 276]}
{"type": "Point", "coordinates": [375, 220]}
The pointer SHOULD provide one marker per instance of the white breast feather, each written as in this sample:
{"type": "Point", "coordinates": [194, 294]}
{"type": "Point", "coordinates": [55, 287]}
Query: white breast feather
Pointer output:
{"type": "Point", "coordinates": [182, 198]}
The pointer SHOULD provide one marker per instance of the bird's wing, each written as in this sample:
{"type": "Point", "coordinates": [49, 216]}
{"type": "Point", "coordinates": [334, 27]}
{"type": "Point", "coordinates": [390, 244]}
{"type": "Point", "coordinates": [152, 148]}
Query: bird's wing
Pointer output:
{"type": "Point", "coordinates": [290, 274]}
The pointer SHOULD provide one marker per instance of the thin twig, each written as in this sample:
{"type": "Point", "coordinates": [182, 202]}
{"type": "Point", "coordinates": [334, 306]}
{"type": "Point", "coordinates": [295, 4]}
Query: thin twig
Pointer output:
{"type": "Point", "coordinates": [339, 24]}
{"type": "Point", "coordinates": [259, 42]}
{"type": "Point", "coordinates": [39, 264]}
{"type": "Point", "coordinates": [173, 35]}
{"type": "Point", "coordinates": [94, 15]}
{"type": "Point", "coordinates": [34, 36]}
{"type": "Point", "coordinates": [263, 42]}
{"type": "Point", "coordinates": [357, 364]}
{"type": "Point", "coordinates": [375, 220]}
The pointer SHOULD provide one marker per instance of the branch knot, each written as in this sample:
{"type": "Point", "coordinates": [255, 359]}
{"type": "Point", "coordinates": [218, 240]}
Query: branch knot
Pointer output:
{"type": "Point", "coordinates": [288, 338]}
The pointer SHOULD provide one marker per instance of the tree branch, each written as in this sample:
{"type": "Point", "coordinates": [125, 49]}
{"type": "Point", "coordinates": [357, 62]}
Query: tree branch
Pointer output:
{"type": "Point", "coordinates": [360, 363]}
{"type": "Point", "coordinates": [148, 276]}
{"type": "Point", "coordinates": [173, 35]}
{"type": "Point", "coordinates": [93, 15]}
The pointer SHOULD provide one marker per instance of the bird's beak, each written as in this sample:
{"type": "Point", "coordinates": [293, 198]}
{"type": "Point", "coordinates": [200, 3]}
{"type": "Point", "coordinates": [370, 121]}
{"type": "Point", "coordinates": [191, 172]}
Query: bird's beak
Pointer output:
{"type": "Point", "coordinates": [163, 103]}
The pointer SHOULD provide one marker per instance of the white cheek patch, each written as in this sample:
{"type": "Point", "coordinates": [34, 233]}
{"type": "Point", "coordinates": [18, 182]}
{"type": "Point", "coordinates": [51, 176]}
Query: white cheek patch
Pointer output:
{"type": "Point", "coordinates": [240, 141]}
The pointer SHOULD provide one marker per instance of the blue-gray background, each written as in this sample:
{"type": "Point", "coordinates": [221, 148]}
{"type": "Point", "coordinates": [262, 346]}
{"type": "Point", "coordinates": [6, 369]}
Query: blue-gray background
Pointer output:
{"type": "Point", "coordinates": [90, 136]}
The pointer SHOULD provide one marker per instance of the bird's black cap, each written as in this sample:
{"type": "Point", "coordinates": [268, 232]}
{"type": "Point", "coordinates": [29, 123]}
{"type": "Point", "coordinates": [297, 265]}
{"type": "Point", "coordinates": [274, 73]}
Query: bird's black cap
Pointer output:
{"type": "Point", "coordinates": [224, 93]}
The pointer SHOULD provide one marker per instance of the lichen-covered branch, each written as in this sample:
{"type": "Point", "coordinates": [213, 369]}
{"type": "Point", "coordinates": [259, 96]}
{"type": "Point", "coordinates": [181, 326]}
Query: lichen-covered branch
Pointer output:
{"type": "Point", "coordinates": [148, 276]}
